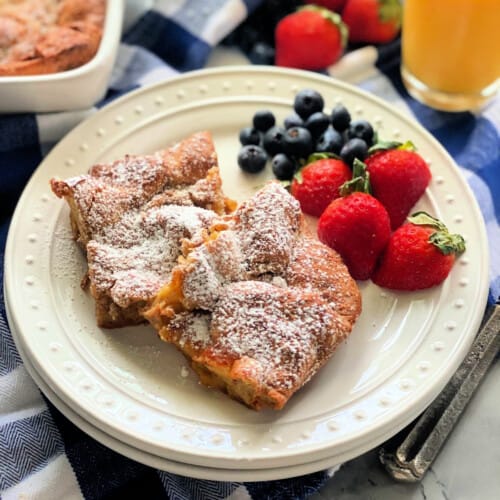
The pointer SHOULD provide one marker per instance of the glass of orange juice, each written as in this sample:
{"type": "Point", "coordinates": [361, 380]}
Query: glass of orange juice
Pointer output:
{"type": "Point", "coordinates": [451, 52]}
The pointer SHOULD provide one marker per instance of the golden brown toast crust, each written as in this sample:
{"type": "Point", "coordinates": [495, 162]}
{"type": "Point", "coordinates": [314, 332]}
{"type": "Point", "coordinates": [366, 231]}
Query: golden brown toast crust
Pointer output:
{"type": "Point", "coordinates": [184, 174]}
{"type": "Point", "coordinates": [260, 306]}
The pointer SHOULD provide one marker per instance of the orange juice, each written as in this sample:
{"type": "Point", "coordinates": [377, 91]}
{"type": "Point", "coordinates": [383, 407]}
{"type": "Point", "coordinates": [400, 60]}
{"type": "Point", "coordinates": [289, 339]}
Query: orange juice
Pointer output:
{"type": "Point", "coordinates": [452, 46]}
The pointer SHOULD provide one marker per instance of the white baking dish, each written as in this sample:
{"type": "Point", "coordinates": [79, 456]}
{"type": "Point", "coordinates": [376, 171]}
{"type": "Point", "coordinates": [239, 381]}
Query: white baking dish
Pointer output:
{"type": "Point", "coordinates": [77, 88]}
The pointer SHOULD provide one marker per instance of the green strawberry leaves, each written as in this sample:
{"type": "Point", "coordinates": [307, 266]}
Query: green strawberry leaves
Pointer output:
{"type": "Point", "coordinates": [321, 156]}
{"type": "Point", "coordinates": [286, 184]}
{"type": "Point", "coordinates": [424, 219]}
{"type": "Point", "coordinates": [360, 181]}
{"type": "Point", "coordinates": [445, 241]}
{"type": "Point", "coordinates": [298, 176]}
{"type": "Point", "coordinates": [390, 11]}
{"type": "Point", "coordinates": [388, 145]}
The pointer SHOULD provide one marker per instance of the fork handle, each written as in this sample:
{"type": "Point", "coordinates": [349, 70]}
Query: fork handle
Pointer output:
{"type": "Point", "coordinates": [408, 458]}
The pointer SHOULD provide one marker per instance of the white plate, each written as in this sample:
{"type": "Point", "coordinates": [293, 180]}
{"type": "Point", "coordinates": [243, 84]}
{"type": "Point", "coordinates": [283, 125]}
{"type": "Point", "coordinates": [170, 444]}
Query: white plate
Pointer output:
{"type": "Point", "coordinates": [128, 384]}
{"type": "Point", "coordinates": [184, 469]}
{"type": "Point", "coordinates": [78, 88]}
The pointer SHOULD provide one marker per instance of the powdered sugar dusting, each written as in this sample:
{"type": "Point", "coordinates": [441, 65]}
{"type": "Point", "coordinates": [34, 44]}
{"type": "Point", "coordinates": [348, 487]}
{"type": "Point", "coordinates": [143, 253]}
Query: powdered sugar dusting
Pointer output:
{"type": "Point", "coordinates": [212, 265]}
{"type": "Point", "coordinates": [137, 172]}
{"type": "Point", "coordinates": [134, 258]}
{"type": "Point", "coordinates": [279, 282]}
{"type": "Point", "coordinates": [258, 241]}
{"type": "Point", "coordinates": [111, 190]}
{"type": "Point", "coordinates": [267, 225]}
{"type": "Point", "coordinates": [186, 174]}
{"type": "Point", "coordinates": [329, 276]}
{"type": "Point", "coordinates": [201, 284]}
{"type": "Point", "coordinates": [197, 328]}
{"type": "Point", "coordinates": [192, 327]}
{"type": "Point", "coordinates": [283, 331]}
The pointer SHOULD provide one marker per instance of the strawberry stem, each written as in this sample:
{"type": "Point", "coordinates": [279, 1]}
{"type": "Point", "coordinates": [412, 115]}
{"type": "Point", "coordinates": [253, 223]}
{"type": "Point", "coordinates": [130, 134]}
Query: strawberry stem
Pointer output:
{"type": "Point", "coordinates": [445, 241]}
{"type": "Point", "coordinates": [360, 181]}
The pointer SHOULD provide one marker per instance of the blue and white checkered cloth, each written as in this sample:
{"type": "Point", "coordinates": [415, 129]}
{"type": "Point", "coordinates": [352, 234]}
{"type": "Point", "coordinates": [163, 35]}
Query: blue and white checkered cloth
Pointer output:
{"type": "Point", "coordinates": [42, 454]}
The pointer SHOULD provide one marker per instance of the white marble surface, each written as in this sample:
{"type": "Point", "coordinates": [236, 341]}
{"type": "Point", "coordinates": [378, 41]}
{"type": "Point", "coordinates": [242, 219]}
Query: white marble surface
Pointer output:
{"type": "Point", "coordinates": [468, 467]}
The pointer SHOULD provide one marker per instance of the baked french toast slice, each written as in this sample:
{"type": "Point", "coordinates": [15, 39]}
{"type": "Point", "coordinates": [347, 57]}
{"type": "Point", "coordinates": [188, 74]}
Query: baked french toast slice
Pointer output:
{"type": "Point", "coordinates": [130, 217]}
{"type": "Point", "coordinates": [40, 37]}
{"type": "Point", "coordinates": [259, 306]}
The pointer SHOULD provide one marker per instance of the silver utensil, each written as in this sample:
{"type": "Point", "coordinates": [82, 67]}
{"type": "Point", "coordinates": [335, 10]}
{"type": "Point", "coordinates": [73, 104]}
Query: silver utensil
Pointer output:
{"type": "Point", "coordinates": [410, 453]}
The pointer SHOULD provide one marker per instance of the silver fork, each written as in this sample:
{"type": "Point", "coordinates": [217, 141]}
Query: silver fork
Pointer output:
{"type": "Point", "coordinates": [410, 453]}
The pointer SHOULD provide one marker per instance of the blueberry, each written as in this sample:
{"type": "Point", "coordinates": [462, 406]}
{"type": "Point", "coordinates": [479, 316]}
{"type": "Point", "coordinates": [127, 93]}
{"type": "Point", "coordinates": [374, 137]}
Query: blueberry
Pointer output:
{"type": "Point", "coordinates": [249, 135]}
{"type": "Point", "coordinates": [249, 36]}
{"type": "Point", "coordinates": [283, 167]}
{"type": "Point", "coordinates": [362, 130]}
{"type": "Point", "coordinates": [273, 140]}
{"type": "Point", "coordinates": [317, 123]}
{"type": "Point", "coordinates": [263, 120]}
{"type": "Point", "coordinates": [307, 102]}
{"type": "Point", "coordinates": [354, 148]}
{"type": "Point", "coordinates": [252, 158]}
{"type": "Point", "coordinates": [293, 121]}
{"type": "Point", "coordinates": [262, 53]}
{"type": "Point", "coordinates": [340, 117]}
{"type": "Point", "coordinates": [298, 142]}
{"type": "Point", "coordinates": [329, 142]}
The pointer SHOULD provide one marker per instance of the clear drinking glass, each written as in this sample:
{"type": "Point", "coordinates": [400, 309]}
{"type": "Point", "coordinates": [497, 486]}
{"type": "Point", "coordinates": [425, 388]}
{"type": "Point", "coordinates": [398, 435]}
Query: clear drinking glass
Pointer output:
{"type": "Point", "coordinates": [451, 52]}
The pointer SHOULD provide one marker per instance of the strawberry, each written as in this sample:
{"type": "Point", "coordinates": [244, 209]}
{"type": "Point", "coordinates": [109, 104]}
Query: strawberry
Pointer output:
{"type": "Point", "coordinates": [311, 38]}
{"type": "Point", "coordinates": [399, 177]}
{"type": "Point", "coordinates": [356, 225]}
{"type": "Point", "coordinates": [372, 21]}
{"type": "Point", "coordinates": [419, 255]}
{"type": "Point", "coordinates": [333, 5]}
{"type": "Point", "coordinates": [318, 183]}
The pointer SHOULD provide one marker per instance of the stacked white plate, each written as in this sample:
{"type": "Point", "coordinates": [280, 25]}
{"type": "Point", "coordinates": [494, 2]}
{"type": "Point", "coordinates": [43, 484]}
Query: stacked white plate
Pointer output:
{"type": "Point", "coordinates": [137, 395]}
